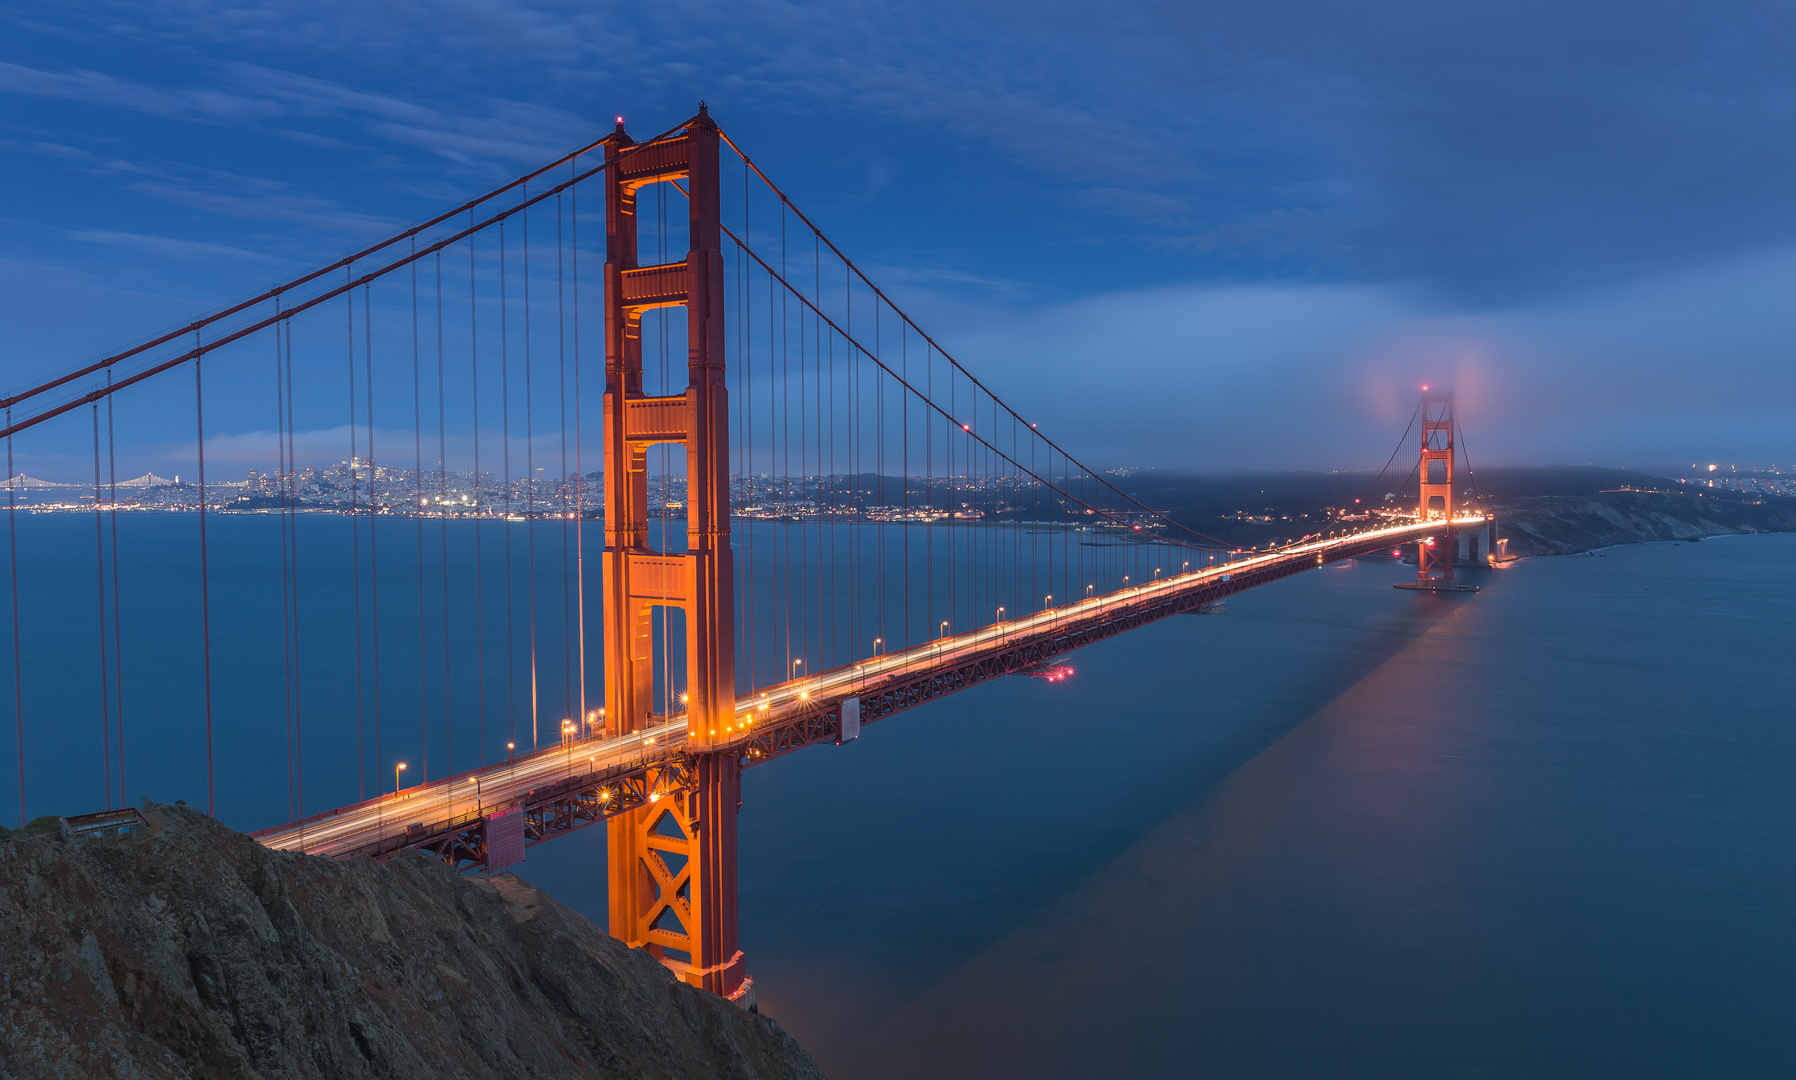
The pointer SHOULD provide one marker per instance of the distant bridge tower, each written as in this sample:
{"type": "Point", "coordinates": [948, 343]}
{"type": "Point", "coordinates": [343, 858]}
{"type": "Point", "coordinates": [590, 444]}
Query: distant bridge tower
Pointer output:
{"type": "Point", "coordinates": [1435, 555]}
{"type": "Point", "coordinates": [672, 862]}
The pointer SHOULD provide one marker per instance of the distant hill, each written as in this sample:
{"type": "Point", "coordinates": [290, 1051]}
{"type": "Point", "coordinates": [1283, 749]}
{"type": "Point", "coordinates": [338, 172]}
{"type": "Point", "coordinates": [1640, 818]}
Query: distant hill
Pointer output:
{"type": "Point", "coordinates": [1550, 509]}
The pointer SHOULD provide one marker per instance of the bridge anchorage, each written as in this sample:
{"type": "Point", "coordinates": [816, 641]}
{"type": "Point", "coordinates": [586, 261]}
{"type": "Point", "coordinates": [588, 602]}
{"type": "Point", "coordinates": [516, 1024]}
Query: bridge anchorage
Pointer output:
{"type": "Point", "coordinates": [857, 525]}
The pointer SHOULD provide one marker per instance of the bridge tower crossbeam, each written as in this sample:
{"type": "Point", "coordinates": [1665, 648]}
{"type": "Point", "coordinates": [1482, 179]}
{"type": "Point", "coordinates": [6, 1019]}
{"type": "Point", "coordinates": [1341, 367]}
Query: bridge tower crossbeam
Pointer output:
{"type": "Point", "coordinates": [672, 866]}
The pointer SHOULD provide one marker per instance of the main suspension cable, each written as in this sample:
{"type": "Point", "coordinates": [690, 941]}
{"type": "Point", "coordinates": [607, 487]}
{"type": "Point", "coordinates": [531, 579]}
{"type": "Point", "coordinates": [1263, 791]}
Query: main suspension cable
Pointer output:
{"type": "Point", "coordinates": [296, 309]}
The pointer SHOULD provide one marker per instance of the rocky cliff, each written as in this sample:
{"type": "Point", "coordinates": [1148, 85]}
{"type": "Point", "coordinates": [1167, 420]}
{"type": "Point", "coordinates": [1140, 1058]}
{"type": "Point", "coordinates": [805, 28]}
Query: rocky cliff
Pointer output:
{"type": "Point", "coordinates": [187, 950]}
{"type": "Point", "coordinates": [1563, 524]}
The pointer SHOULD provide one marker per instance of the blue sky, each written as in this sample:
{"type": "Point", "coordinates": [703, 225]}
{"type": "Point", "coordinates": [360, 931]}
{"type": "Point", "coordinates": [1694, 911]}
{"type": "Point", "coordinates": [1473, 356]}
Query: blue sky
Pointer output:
{"type": "Point", "coordinates": [1196, 235]}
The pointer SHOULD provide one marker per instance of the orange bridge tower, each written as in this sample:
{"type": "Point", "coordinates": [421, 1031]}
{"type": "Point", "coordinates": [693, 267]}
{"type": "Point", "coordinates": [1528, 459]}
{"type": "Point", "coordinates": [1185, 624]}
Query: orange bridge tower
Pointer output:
{"type": "Point", "coordinates": [673, 861]}
{"type": "Point", "coordinates": [1436, 554]}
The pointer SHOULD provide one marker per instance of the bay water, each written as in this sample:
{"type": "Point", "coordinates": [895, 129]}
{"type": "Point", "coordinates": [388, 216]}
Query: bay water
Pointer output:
{"type": "Point", "coordinates": [1342, 830]}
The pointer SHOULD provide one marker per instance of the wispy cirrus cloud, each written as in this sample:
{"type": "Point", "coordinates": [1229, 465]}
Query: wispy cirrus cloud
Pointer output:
{"type": "Point", "coordinates": [172, 248]}
{"type": "Point", "coordinates": [219, 192]}
{"type": "Point", "coordinates": [500, 131]}
{"type": "Point", "coordinates": [204, 104]}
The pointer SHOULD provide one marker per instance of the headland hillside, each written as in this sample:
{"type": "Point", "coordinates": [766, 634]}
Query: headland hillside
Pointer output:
{"type": "Point", "coordinates": [178, 949]}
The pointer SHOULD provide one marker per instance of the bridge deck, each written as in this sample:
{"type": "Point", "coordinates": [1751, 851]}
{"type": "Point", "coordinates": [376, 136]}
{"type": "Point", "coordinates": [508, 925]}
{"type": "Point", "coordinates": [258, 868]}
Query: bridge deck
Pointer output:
{"type": "Point", "coordinates": [583, 781]}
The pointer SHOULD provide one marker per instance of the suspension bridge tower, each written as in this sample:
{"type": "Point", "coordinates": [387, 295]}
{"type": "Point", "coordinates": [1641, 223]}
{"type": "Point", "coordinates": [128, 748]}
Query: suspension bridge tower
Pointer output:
{"type": "Point", "coordinates": [672, 861]}
{"type": "Point", "coordinates": [1435, 555]}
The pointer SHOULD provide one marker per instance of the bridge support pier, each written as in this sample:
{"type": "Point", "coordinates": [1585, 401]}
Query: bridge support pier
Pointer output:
{"type": "Point", "coordinates": [672, 861]}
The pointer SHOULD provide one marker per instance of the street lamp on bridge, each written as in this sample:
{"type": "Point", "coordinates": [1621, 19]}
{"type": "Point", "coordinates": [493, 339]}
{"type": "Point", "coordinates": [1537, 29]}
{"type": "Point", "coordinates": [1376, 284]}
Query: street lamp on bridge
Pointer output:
{"type": "Point", "coordinates": [397, 769]}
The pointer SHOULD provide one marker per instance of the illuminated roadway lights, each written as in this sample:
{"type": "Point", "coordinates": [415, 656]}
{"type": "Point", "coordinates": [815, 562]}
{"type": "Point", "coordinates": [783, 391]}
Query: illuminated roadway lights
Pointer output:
{"type": "Point", "coordinates": [397, 769]}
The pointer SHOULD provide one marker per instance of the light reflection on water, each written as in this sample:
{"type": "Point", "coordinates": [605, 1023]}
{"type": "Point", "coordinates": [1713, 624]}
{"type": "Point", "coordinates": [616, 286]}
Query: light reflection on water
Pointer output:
{"type": "Point", "coordinates": [1342, 830]}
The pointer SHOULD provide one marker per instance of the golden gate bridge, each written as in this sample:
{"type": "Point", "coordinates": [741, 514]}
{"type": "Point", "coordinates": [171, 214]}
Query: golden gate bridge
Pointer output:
{"type": "Point", "coordinates": [903, 533]}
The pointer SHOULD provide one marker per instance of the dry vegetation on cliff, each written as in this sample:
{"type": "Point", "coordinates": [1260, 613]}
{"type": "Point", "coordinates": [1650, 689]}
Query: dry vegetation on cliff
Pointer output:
{"type": "Point", "coordinates": [188, 950]}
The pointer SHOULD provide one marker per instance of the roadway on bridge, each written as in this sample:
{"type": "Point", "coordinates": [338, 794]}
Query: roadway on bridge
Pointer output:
{"type": "Point", "coordinates": [499, 787]}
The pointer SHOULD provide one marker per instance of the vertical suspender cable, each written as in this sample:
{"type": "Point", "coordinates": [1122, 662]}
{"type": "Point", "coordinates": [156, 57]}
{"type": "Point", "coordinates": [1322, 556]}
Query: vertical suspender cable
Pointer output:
{"type": "Point", "coordinates": [100, 576]}
{"type": "Point", "coordinates": [904, 429]}
{"type": "Point", "coordinates": [355, 545]}
{"type": "Point", "coordinates": [806, 565]}
{"type": "Point", "coordinates": [299, 746]}
{"type": "Point", "coordinates": [443, 527]}
{"type": "Point", "coordinates": [929, 498]}
{"type": "Point", "coordinates": [199, 418]}
{"type": "Point", "coordinates": [579, 459]}
{"type": "Point", "coordinates": [529, 480]}
{"type": "Point", "coordinates": [567, 615]}
{"type": "Point", "coordinates": [373, 516]}
{"type": "Point", "coordinates": [776, 479]}
{"type": "Point", "coordinates": [511, 664]}
{"type": "Point", "coordinates": [18, 666]}
{"type": "Point", "coordinates": [879, 482]}
{"type": "Point", "coordinates": [118, 646]}
{"type": "Point", "coordinates": [281, 474]}
{"type": "Point", "coordinates": [782, 537]}
{"type": "Point", "coordinates": [745, 406]}
{"type": "Point", "coordinates": [745, 468]}
{"type": "Point", "coordinates": [851, 421]}
{"type": "Point", "coordinates": [834, 527]}
{"type": "Point", "coordinates": [479, 510]}
{"type": "Point", "coordinates": [417, 515]}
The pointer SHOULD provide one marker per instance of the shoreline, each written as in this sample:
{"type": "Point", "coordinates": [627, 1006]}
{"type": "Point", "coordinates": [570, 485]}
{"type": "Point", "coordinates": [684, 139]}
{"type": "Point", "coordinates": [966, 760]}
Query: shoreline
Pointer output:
{"type": "Point", "coordinates": [1577, 524]}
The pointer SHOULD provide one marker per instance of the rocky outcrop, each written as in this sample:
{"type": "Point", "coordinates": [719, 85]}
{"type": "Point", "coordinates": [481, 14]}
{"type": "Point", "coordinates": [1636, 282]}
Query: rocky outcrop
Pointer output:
{"type": "Point", "coordinates": [1564, 524]}
{"type": "Point", "coordinates": [187, 950]}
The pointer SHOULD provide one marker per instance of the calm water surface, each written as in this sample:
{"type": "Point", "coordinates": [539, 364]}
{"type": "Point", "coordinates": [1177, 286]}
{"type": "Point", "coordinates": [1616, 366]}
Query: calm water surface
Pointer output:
{"type": "Point", "coordinates": [1340, 830]}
